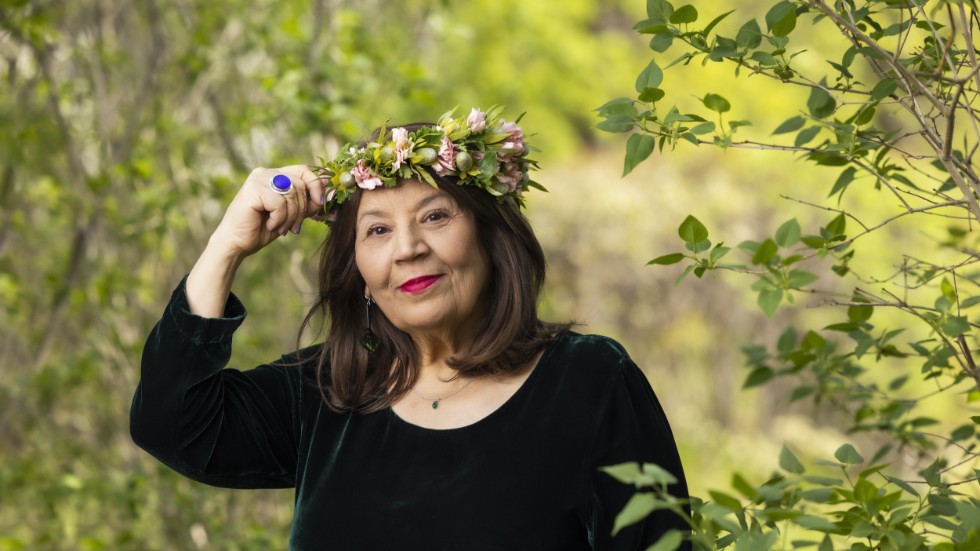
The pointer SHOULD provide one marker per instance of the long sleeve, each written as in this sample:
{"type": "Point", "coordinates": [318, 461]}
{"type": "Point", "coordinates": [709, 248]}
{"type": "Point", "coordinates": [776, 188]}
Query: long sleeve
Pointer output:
{"type": "Point", "coordinates": [632, 427]}
{"type": "Point", "coordinates": [219, 426]}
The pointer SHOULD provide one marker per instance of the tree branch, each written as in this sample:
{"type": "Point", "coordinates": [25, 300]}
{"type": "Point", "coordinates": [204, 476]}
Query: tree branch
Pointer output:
{"type": "Point", "coordinates": [913, 83]}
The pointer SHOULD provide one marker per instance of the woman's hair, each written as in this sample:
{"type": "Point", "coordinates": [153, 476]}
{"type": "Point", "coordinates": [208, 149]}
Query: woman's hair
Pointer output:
{"type": "Point", "coordinates": [349, 378]}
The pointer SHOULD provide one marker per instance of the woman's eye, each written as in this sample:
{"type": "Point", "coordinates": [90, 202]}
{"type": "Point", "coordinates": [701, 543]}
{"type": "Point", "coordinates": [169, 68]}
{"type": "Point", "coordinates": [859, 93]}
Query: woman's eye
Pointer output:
{"type": "Point", "coordinates": [436, 216]}
{"type": "Point", "coordinates": [377, 230]}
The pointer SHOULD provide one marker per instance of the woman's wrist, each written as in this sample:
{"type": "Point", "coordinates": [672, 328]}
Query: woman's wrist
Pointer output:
{"type": "Point", "coordinates": [209, 282]}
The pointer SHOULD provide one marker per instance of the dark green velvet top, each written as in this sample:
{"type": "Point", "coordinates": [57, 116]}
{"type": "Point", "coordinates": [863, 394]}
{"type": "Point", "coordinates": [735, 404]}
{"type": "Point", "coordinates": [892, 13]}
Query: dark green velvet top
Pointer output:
{"type": "Point", "coordinates": [524, 477]}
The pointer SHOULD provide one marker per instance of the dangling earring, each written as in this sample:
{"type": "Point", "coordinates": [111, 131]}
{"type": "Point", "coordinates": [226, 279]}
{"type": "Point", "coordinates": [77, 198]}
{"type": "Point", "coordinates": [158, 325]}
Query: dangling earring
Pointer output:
{"type": "Point", "coordinates": [369, 341]}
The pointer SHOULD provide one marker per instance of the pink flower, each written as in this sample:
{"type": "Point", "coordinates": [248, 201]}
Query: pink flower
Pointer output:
{"type": "Point", "coordinates": [364, 177]}
{"type": "Point", "coordinates": [510, 174]}
{"type": "Point", "coordinates": [512, 129]}
{"type": "Point", "coordinates": [446, 163]}
{"type": "Point", "coordinates": [403, 147]}
{"type": "Point", "coordinates": [477, 120]}
{"type": "Point", "coordinates": [514, 144]}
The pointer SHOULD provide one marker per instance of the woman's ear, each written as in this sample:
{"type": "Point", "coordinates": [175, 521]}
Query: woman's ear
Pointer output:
{"type": "Point", "coordinates": [367, 292]}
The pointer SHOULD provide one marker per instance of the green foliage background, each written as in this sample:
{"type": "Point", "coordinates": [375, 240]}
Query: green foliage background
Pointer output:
{"type": "Point", "coordinates": [125, 127]}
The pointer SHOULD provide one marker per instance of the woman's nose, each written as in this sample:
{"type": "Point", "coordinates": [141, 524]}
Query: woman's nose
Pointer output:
{"type": "Point", "coordinates": [410, 243]}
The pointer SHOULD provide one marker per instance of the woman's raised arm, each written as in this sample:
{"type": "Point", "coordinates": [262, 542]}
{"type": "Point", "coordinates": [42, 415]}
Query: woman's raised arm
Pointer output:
{"type": "Point", "coordinates": [257, 216]}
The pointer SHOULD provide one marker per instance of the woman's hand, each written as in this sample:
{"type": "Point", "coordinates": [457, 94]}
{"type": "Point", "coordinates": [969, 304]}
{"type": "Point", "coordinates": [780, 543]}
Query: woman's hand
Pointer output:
{"type": "Point", "coordinates": [258, 215]}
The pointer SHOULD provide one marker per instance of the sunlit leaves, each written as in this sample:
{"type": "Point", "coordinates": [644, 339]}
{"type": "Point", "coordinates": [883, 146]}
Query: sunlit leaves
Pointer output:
{"type": "Point", "coordinates": [767, 61]}
{"type": "Point", "coordinates": [702, 128]}
{"type": "Point", "coordinates": [650, 77]}
{"type": "Point", "coordinates": [758, 376]}
{"type": "Point", "coordinates": [640, 475]}
{"type": "Point", "coordinates": [848, 455]}
{"type": "Point", "coordinates": [659, 10]}
{"type": "Point", "coordinates": [859, 313]}
{"type": "Point", "coordinates": [798, 279]}
{"type": "Point", "coordinates": [651, 481]}
{"type": "Point", "coordinates": [714, 22]}
{"type": "Point", "coordinates": [772, 288]}
{"type": "Point", "coordinates": [791, 124]}
{"type": "Point", "coordinates": [627, 473]}
{"type": "Point", "coordinates": [765, 252]}
{"type": "Point", "coordinates": [683, 15]}
{"type": "Point", "coordinates": [667, 259]}
{"type": "Point", "coordinates": [620, 115]}
{"type": "Point", "coordinates": [618, 106]}
{"type": "Point", "coordinates": [836, 227]}
{"type": "Point", "coordinates": [819, 524]}
{"type": "Point", "coordinates": [955, 326]}
{"type": "Point", "coordinates": [843, 181]}
{"type": "Point", "coordinates": [749, 35]}
{"type": "Point", "coordinates": [716, 103]}
{"type": "Point", "coordinates": [616, 124]}
{"type": "Point", "coordinates": [821, 104]}
{"type": "Point", "coordinates": [788, 234]}
{"type": "Point", "coordinates": [670, 541]}
{"type": "Point", "coordinates": [884, 88]}
{"type": "Point", "coordinates": [638, 148]}
{"type": "Point", "coordinates": [725, 500]}
{"type": "Point", "coordinates": [789, 462]}
{"type": "Point", "coordinates": [639, 506]}
{"type": "Point", "coordinates": [806, 136]}
{"type": "Point", "coordinates": [867, 123]}
{"type": "Point", "coordinates": [692, 230]}
{"type": "Point", "coordinates": [770, 299]}
{"type": "Point", "coordinates": [651, 95]}
{"type": "Point", "coordinates": [781, 18]}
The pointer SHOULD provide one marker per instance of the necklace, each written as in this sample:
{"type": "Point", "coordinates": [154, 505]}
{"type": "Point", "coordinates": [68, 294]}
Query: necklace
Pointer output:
{"type": "Point", "coordinates": [436, 400]}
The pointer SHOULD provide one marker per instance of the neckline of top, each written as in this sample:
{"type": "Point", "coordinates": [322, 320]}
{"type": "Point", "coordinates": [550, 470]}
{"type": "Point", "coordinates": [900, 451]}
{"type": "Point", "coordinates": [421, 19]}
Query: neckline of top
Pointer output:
{"type": "Point", "coordinates": [517, 395]}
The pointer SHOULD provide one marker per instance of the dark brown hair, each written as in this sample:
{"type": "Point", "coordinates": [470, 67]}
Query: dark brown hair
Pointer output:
{"type": "Point", "coordinates": [351, 379]}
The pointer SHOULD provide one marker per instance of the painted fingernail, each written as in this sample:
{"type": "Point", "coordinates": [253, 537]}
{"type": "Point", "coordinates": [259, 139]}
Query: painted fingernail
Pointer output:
{"type": "Point", "coordinates": [297, 228]}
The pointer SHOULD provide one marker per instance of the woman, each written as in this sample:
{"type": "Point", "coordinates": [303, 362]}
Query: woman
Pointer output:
{"type": "Point", "coordinates": [440, 412]}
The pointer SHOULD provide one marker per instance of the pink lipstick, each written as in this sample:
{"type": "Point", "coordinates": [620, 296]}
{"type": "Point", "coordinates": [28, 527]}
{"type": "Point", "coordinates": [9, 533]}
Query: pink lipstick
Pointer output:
{"type": "Point", "coordinates": [419, 284]}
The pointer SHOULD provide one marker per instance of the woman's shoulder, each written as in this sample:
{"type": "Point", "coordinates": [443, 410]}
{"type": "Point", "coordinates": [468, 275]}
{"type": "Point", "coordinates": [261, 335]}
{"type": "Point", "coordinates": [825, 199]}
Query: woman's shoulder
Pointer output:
{"type": "Point", "coordinates": [584, 373]}
{"type": "Point", "coordinates": [587, 358]}
{"type": "Point", "coordinates": [589, 347]}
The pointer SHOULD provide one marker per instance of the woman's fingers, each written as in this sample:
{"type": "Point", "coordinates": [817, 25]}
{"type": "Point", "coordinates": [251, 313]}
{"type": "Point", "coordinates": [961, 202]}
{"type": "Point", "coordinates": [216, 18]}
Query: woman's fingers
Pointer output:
{"type": "Point", "coordinates": [305, 197]}
{"type": "Point", "coordinates": [315, 187]}
{"type": "Point", "coordinates": [274, 202]}
{"type": "Point", "coordinates": [277, 210]}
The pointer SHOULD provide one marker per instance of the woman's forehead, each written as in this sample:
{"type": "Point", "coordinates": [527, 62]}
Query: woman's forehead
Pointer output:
{"type": "Point", "coordinates": [408, 196]}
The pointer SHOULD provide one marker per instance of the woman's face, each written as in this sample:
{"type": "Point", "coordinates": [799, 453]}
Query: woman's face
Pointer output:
{"type": "Point", "coordinates": [417, 251]}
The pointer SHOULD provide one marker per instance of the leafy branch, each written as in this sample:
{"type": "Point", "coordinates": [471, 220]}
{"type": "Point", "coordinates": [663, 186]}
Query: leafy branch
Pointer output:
{"type": "Point", "coordinates": [918, 64]}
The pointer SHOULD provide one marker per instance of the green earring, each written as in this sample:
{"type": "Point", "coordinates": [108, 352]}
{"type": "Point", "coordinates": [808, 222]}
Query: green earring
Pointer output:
{"type": "Point", "coordinates": [369, 341]}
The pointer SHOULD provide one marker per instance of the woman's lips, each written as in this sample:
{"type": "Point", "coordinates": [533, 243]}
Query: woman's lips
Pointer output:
{"type": "Point", "coordinates": [419, 284]}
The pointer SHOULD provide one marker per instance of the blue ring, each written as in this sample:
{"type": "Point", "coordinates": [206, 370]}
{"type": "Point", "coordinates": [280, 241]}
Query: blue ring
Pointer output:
{"type": "Point", "coordinates": [281, 183]}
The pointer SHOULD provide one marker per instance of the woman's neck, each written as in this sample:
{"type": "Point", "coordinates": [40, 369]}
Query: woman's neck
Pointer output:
{"type": "Point", "coordinates": [437, 347]}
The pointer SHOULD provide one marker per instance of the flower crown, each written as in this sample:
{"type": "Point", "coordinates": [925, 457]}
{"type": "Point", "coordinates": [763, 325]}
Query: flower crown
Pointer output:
{"type": "Point", "coordinates": [481, 149]}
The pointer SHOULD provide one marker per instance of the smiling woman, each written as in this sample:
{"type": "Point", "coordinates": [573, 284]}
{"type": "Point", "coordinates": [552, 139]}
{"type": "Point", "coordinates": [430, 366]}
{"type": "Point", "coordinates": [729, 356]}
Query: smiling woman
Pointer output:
{"type": "Point", "coordinates": [418, 254]}
{"type": "Point", "coordinates": [449, 416]}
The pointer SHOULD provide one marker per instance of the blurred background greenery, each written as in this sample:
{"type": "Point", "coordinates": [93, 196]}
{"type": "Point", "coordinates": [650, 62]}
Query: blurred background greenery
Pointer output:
{"type": "Point", "coordinates": [125, 127]}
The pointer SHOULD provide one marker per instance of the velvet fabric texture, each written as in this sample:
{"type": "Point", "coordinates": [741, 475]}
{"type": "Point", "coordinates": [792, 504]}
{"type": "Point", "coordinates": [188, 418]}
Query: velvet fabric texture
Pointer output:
{"type": "Point", "coordinates": [524, 477]}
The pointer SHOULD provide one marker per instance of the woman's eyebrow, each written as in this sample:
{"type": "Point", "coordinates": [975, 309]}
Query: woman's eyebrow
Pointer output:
{"type": "Point", "coordinates": [430, 199]}
{"type": "Point", "coordinates": [421, 204]}
{"type": "Point", "coordinates": [376, 213]}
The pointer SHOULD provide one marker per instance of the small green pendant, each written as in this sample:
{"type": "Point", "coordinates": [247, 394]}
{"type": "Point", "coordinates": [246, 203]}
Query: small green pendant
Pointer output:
{"type": "Point", "coordinates": [435, 405]}
{"type": "Point", "coordinates": [370, 341]}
